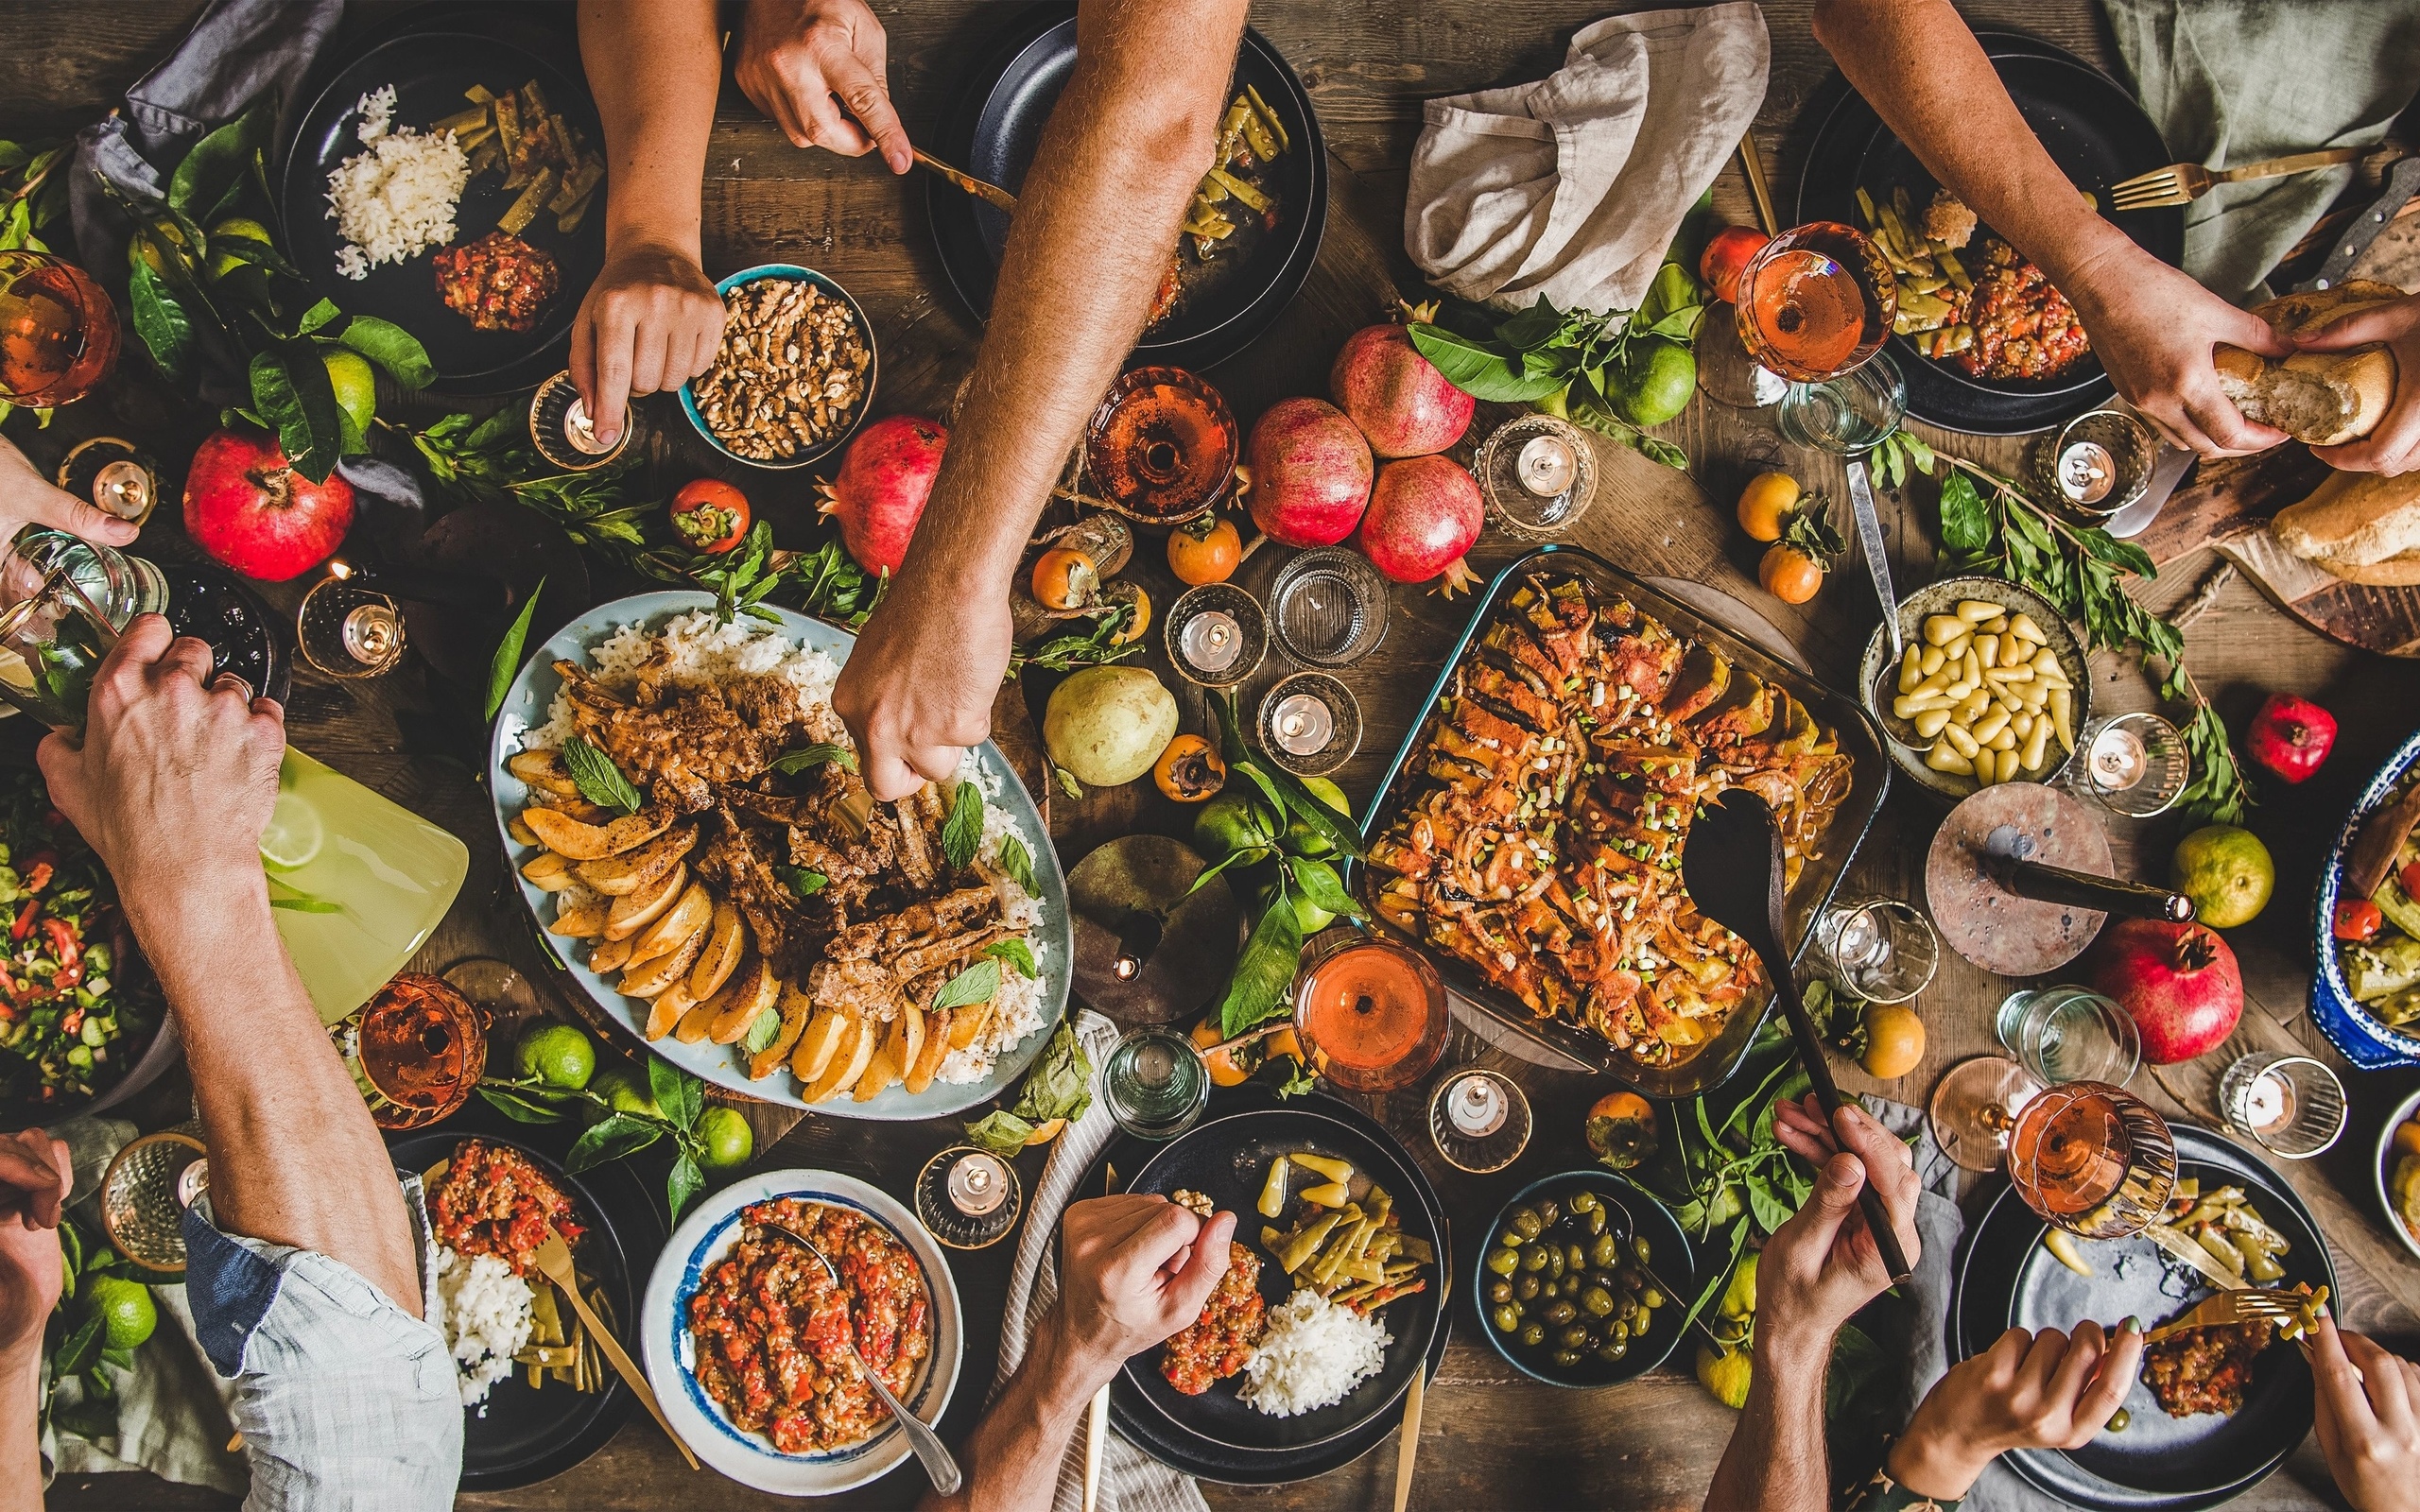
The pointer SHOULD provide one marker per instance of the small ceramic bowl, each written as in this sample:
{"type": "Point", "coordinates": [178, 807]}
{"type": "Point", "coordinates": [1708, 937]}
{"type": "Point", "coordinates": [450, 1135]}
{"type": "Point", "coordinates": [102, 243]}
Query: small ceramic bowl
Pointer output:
{"type": "Point", "coordinates": [1908, 747]}
{"type": "Point", "coordinates": [1634, 1213]}
{"type": "Point", "coordinates": [2382, 1171]}
{"type": "Point", "coordinates": [806, 456]}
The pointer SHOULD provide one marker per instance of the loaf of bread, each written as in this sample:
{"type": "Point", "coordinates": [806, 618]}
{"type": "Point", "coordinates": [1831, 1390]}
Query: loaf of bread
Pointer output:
{"type": "Point", "coordinates": [2360, 526]}
{"type": "Point", "coordinates": [2324, 398]}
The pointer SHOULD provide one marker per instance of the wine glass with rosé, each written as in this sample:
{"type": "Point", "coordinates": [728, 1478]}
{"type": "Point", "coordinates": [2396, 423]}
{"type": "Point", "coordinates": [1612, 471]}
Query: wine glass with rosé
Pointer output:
{"type": "Point", "coordinates": [59, 333]}
{"type": "Point", "coordinates": [2092, 1158]}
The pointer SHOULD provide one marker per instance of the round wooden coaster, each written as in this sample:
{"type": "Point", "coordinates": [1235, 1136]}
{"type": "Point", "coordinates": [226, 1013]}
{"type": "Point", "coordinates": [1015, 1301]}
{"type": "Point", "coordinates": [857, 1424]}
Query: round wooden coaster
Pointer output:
{"type": "Point", "coordinates": [1985, 921]}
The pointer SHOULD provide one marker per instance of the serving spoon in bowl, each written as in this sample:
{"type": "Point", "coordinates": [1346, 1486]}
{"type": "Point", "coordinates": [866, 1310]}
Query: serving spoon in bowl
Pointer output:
{"type": "Point", "coordinates": [930, 1450]}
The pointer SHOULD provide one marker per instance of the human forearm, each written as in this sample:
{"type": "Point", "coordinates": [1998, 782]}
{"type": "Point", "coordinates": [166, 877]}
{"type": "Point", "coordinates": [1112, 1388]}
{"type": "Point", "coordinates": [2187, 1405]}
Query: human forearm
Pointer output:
{"type": "Point", "coordinates": [654, 70]}
{"type": "Point", "coordinates": [1775, 1461]}
{"type": "Point", "coordinates": [20, 1430]}
{"type": "Point", "coordinates": [1012, 1462]}
{"type": "Point", "coordinates": [294, 1156]}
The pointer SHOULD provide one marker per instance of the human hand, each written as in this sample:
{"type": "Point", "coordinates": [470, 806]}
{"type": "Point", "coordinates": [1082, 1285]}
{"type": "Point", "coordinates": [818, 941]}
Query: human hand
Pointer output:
{"type": "Point", "coordinates": [2395, 446]}
{"type": "Point", "coordinates": [2156, 330]}
{"type": "Point", "coordinates": [33, 1186]}
{"type": "Point", "coordinates": [2368, 1406]}
{"type": "Point", "coordinates": [1822, 1265]}
{"type": "Point", "coordinates": [174, 774]}
{"type": "Point", "coordinates": [917, 690]}
{"type": "Point", "coordinates": [795, 56]}
{"type": "Point", "coordinates": [1132, 1270]}
{"type": "Point", "coordinates": [650, 321]}
{"type": "Point", "coordinates": [28, 499]}
{"type": "Point", "coordinates": [2044, 1390]}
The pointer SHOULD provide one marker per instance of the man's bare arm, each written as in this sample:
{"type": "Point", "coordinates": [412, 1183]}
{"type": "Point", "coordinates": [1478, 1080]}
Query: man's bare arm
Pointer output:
{"type": "Point", "coordinates": [1095, 224]}
{"type": "Point", "coordinates": [1920, 67]}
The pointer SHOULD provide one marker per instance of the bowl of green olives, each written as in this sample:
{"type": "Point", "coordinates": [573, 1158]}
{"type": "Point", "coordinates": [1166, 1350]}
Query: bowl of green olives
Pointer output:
{"type": "Point", "coordinates": [1573, 1285]}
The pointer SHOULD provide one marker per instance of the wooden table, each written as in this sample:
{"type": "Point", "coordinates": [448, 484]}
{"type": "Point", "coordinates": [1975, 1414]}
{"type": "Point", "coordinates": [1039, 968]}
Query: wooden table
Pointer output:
{"type": "Point", "coordinates": [1491, 1438]}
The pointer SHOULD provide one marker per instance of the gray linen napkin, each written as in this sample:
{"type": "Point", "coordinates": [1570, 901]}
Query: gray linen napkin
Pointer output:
{"type": "Point", "coordinates": [2231, 83]}
{"type": "Point", "coordinates": [1130, 1481]}
{"type": "Point", "coordinates": [1572, 187]}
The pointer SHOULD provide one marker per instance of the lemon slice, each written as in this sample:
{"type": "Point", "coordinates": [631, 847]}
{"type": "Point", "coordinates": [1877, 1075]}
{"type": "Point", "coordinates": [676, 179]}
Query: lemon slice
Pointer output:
{"type": "Point", "coordinates": [294, 834]}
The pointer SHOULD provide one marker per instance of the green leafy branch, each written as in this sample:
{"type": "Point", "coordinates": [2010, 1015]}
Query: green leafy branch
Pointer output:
{"type": "Point", "coordinates": [680, 1102]}
{"type": "Point", "coordinates": [1060, 1085]}
{"type": "Point", "coordinates": [76, 1334]}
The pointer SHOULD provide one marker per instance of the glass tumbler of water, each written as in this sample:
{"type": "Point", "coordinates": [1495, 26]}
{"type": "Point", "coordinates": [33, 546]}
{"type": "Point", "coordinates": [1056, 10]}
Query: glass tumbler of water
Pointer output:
{"type": "Point", "coordinates": [1848, 415]}
{"type": "Point", "coordinates": [2064, 1034]}
{"type": "Point", "coordinates": [1154, 1083]}
{"type": "Point", "coordinates": [1878, 949]}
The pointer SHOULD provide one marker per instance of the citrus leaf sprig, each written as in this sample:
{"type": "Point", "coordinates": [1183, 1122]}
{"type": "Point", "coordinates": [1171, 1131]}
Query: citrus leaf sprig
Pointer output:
{"type": "Point", "coordinates": [1060, 1085]}
{"type": "Point", "coordinates": [681, 1104]}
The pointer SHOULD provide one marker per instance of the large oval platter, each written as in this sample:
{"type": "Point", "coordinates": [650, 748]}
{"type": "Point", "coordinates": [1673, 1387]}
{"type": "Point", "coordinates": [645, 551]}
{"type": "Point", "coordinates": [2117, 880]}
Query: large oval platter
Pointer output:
{"type": "Point", "coordinates": [526, 708]}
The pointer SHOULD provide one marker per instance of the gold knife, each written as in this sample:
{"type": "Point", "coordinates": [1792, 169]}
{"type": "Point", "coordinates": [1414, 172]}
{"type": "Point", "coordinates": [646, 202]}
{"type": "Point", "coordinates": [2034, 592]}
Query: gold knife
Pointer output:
{"type": "Point", "coordinates": [991, 194]}
{"type": "Point", "coordinates": [1408, 1449]}
{"type": "Point", "coordinates": [554, 1258]}
{"type": "Point", "coordinates": [1096, 1416]}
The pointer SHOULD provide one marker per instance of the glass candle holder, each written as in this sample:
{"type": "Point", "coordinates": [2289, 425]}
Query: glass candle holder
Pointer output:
{"type": "Point", "coordinates": [1479, 1120]}
{"type": "Point", "coordinates": [560, 429]}
{"type": "Point", "coordinates": [2097, 465]}
{"type": "Point", "coordinates": [1538, 475]}
{"type": "Point", "coordinates": [1879, 949]}
{"type": "Point", "coordinates": [1216, 635]}
{"type": "Point", "coordinates": [1370, 1013]}
{"type": "Point", "coordinates": [120, 478]}
{"type": "Point", "coordinates": [145, 1192]}
{"type": "Point", "coordinates": [349, 630]}
{"type": "Point", "coordinates": [2291, 1106]}
{"type": "Point", "coordinates": [1309, 724]}
{"type": "Point", "coordinates": [2135, 764]}
{"type": "Point", "coordinates": [969, 1198]}
{"type": "Point", "coordinates": [1162, 447]}
{"type": "Point", "coordinates": [1154, 1083]}
{"type": "Point", "coordinates": [1329, 606]}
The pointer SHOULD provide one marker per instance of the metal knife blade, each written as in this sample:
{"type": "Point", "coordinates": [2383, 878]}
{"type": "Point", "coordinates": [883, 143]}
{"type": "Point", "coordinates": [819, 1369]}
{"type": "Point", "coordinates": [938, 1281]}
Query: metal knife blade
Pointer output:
{"type": "Point", "coordinates": [2166, 472]}
{"type": "Point", "coordinates": [1869, 534]}
{"type": "Point", "coordinates": [2401, 183]}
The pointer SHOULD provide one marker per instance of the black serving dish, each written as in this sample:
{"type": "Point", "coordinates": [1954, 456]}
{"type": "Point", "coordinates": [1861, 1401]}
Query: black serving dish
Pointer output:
{"type": "Point", "coordinates": [1673, 1260]}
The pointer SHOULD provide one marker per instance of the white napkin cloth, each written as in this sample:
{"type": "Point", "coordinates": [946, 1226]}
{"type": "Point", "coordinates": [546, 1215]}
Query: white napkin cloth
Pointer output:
{"type": "Point", "coordinates": [1572, 187]}
{"type": "Point", "coordinates": [1130, 1481]}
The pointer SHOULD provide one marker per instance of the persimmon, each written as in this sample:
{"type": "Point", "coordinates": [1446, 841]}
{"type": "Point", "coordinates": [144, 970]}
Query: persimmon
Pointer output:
{"type": "Point", "coordinates": [1065, 577]}
{"type": "Point", "coordinates": [1224, 1069]}
{"type": "Point", "coordinates": [1189, 770]}
{"type": "Point", "coordinates": [1789, 574]}
{"type": "Point", "coordinates": [1204, 551]}
{"type": "Point", "coordinates": [1764, 505]}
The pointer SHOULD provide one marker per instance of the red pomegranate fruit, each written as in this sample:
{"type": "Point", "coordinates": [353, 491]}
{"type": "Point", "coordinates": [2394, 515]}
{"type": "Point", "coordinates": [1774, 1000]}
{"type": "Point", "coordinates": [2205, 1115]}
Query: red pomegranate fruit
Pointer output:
{"type": "Point", "coordinates": [1309, 473]}
{"type": "Point", "coordinates": [251, 511]}
{"type": "Point", "coordinates": [886, 475]}
{"type": "Point", "coordinates": [2178, 982]}
{"type": "Point", "coordinates": [1423, 514]}
{"type": "Point", "coordinates": [1398, 397]}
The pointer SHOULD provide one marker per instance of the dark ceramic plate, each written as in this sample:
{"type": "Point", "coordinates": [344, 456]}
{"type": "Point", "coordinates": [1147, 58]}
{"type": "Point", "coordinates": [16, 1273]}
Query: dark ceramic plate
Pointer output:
{"type": "Point", "coordinates": [523, 1434]}
{"type": "Point", "coordinates": [2006, 1280]}
{"type": "Point", "coordinates": [2096, 133]}
{"type": "Point", "coordinates": [1002, 107]}
{"type": "Point", "coordinates": [430, 57]}
{"type": "Point", "coordinates": [1671, 1258]}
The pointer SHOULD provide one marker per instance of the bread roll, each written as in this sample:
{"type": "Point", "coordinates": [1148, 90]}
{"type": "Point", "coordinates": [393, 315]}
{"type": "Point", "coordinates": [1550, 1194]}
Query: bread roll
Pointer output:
{"type": "Point", "coordinates": [2324, 398]}
{"type": "Point", "coordinates": [2360, 526]}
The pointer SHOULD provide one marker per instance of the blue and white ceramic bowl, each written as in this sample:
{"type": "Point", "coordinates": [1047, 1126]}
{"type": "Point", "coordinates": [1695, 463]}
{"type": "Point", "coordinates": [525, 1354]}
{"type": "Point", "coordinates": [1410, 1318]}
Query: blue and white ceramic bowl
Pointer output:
{"type": "Point", "coordinates": [2365, 1039]}
{"type": "Point", "coordinates": [865, 401]}
{"type": "Point", "coordinates": [671, 1353]}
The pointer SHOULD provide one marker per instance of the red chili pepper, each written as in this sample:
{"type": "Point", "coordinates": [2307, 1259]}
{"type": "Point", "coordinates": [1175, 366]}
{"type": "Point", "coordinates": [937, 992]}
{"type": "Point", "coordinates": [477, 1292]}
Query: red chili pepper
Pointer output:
{"type": "Point", "coordinates": [2290, 736]}
{"type": "Point", "coordinates": [2357, 918]}
{"type": "Point", "coordinates": [24, 924]}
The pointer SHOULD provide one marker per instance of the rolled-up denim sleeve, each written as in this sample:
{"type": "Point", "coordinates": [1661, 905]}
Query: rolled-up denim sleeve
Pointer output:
{"type": "Point", "coordinates": [346, 1402]}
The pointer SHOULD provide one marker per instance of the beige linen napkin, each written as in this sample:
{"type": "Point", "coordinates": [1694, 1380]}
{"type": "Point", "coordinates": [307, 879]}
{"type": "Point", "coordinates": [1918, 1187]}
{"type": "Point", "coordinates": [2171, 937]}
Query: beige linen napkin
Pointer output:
{"type": "Point", "coordinates": [1130, 1481]}
{"type": "Point", "coordinates": [1572, 187]}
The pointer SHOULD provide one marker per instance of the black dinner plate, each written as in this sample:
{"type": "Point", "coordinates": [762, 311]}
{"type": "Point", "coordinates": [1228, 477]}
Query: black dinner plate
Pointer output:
{"type": "Point", "coordinates": [2007, 1279]}
{"type": "Point", "coordinates": [431, 56]}
{"type": "Point", "coordinates": [2096, 133]}
{"type": "Point", "coordinates": [998, 123]}
{"type": "Point", "coordinates": [523, 1434]}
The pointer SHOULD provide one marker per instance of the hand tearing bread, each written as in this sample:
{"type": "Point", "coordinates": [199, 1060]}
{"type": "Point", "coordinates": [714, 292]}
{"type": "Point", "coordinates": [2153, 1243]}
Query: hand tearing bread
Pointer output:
{"type": "Point", "coordinates": [2324, 398]}
{"type": "Point", "coordinates": [2360, 526]}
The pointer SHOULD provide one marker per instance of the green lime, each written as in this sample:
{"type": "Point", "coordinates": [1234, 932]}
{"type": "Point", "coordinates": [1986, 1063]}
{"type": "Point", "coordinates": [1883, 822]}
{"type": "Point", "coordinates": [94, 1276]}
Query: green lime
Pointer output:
{"type": "Point", "coordinates": [625, 1091]}
{"type": "Point", "coordinates": [1300, 838]}
{"type": "Point", "coordinates": [237, 228]}
{"type": "Point", "coordinates": [1233, 821]}
{"type": "Point", "coordinates": [294, 834]}
{"type": "Point", "coordinates": [1656, 381]}
{"type": "Point", "coordinates": [726, 1137]}
{"type": "Point", "coordinates": [125, 1309]}
{"type": "Point", "coordinates": [356, 387]}
{"type": "Point", "coordinates": [560, 1055]}
{"type": "Point", "coordinates": [2228, 873]}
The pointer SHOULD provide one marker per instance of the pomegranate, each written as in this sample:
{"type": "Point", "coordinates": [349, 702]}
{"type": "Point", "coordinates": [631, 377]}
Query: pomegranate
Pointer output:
{"type": "Point", "coordinates": [251, 511]}
{"type": "Point", "coordinates": [1398, 397]}
{"type": "Point", "coordinates": [1307, 473]}
{"type": "Point", "coordinates": [2290, 736]}
{"type": "Point", "coordinates": [2178, 982]}
{"type": "Point", "coordinates": [886, 475]}
{"type": "Point", "coordinates": [1423, 514]}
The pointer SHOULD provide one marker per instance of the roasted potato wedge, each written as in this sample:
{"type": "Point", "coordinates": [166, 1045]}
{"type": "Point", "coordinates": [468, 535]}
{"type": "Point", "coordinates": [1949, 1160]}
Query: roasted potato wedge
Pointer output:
{"type": "Point", "coordinates": [547, 871]}
{"type": "Point", "coordinates": [609, 954]}
{"type": "Point", "coordinates": [646, 977]}
{"type": "Point", "coordinates": [631, 870]}
{"type": "Point", "coordinates": [578, 915]}
{"type": "Point", "coordinates": [797, 1012]}
{"type": "Point", "coordinates": [749, 992]}
{"type": "Point", "coordinates": [726, 939]}
{"type": "Point", "coordinates": [934, 1051]}
{"type": "Point", "coordinates": [857, 1038]}
{"type": "Point", "coordinates": [560, 832]}
{"type": "Point", "coordinates": [633, 911]}
{"type": "Point", "coordinates": [693, 1026]}
{"type": "Point", "coordinates": [665, 1009]}
{"type": "Point", "coordinates": [881, 1071]}
{"type": "Point", "coordinates": [521, 832]}
{"type": "Point", "coordinates": [825, 1032]}
{"type": "Point", "coordinates": [966, 1023]}
{"type": "Point", "coordinates": [684, 920]}
{"type": "Point", "coordinates": [543, 770]}
{"type": "Point", "coordinates": [911, 1040]}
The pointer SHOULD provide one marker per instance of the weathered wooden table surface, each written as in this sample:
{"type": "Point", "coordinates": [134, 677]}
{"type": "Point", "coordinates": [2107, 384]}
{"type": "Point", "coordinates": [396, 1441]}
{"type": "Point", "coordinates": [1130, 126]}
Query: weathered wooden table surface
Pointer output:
{"type": "Point", "coordinates": [1490, 1437]}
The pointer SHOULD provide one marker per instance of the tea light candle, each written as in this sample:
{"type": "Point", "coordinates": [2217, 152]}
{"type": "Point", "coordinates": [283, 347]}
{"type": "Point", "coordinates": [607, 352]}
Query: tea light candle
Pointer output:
{"type": "Point", "coordinates": [1476, 1105]}
{"type": "Point", "coordinates": [1212, 640]}
{"type": "Point", "coordinates": [2086, 473]}
{"type": "Point", "coordinates": [580, 431]}
{"type": "Point", "coordinates": [979, 1183]}
{"type": "Point", "coordinates": [123, 488]}
{"type": "Point", "coordinates": [1302, 724]}
{"type": "Point", "coordinates": [2118, 759]}
{"type": "Point", "coordinates": [374, 634]}
{"type": "Point", "coordinates": [1547, 466]}
{"type": "Point", "coordinates": [2267, 1102]}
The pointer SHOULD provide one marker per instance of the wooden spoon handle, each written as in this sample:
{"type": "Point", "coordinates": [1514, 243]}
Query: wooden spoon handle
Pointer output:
{"type": "Point", "coordinates": [1828, 1092]}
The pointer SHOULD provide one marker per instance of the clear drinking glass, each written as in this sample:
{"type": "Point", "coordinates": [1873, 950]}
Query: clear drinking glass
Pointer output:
{"type": "Point", "coordinates": [349, 630]}
{"type": "Point", "coordinates": [1156, 1084]}
{"type": "Point", "coordinates": [2064, 1034]}
{"type": "Point", "coordinates": [1848, 415]}
{"type": "Point", "coordinates": [2135, 764]}
{"type": "Point", "coordinates": [1329, 606]}
{"type": "Point", "coordinates": [2291, 1106]}
{"type": "Point", "coordinates": [2093, 1159]}
{"type": "Point", "coordinates": [1878, 949]}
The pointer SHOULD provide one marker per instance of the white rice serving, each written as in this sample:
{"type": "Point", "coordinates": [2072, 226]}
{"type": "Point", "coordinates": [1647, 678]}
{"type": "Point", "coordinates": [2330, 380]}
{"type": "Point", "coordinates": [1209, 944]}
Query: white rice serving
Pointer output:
{"type": "Point", "coordinates": [395, 200]}
{"type": "Point", "coordinates": [486, 1313]}
{"type": "Point", "coordinates": [700, 651]}
{"type": "Point", "coordinates": [1311, 1355]}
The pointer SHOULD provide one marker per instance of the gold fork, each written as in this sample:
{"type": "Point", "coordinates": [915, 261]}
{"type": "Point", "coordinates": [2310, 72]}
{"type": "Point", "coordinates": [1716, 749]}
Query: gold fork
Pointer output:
{"type": "Point", "coordinates": [2182, 182]}
{"type": "Point", "coordinates": [553, 1258]}
{"type": "Point", "coordinates": [2244, 1306]}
